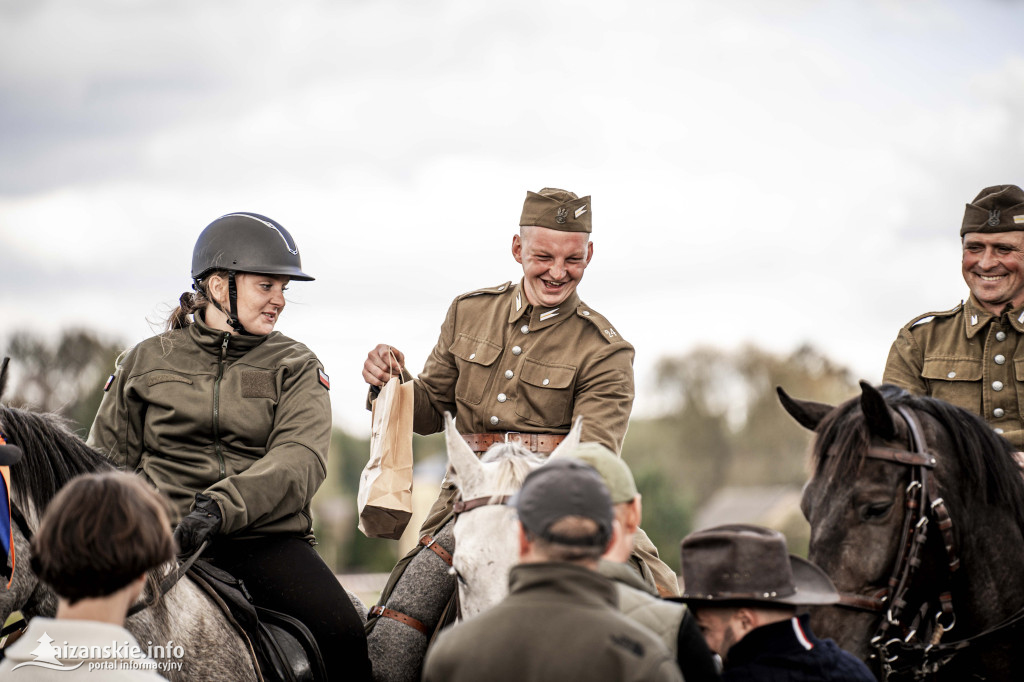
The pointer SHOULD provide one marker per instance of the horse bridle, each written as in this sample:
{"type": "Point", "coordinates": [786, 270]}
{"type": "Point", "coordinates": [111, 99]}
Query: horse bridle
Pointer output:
{"type": "Point", "coordinates": [898, 654]}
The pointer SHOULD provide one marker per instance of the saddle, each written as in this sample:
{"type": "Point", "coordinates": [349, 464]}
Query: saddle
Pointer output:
{"type": "Point", "coordinates": [284, 649]}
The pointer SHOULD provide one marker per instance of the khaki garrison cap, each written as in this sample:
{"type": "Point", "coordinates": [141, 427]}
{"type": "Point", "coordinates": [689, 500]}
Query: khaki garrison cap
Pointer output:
{"type": "Point", "coordinates": [613, 470]}
{"type": "Point", "coordinates": [995, 209]}
{"type": "Point", "coordinates": [556, 209]}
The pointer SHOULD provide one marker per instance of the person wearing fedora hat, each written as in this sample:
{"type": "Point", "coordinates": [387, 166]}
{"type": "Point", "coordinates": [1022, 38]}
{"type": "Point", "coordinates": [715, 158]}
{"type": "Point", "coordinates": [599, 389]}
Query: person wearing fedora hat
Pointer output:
{"type": "Point", "coordinates": [970, 355]}
{"type": "Point", "coordinates": [744, 589]}
{"type": "Point", "coordinates": [638, 598]}
{"type": "Point", "coordinates": [559, 620]}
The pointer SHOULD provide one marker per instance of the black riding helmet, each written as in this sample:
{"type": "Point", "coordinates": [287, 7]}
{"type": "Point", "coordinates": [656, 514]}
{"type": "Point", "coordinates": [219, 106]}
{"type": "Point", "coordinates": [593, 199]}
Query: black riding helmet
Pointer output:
{"type": "Point", "coordinates": [245, 242]}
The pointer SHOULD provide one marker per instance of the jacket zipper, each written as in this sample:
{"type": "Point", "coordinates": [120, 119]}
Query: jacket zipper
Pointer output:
{"type": "Point", "coordinates": [216, 404]}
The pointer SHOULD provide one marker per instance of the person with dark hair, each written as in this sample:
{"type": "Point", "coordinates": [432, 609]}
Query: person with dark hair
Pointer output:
{"type": "Point", "coordinates": [232, 421]}
{"type": "Point", "coordinates": [744, 588]}
{"type": "Point", "coordinates": [559, 620]}
{"type": "Point", "coordinates": [98, 540]}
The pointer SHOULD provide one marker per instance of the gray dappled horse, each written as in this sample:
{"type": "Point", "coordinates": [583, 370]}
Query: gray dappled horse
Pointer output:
{"type": "Point", "coordinates": [185, 616]}
{"type": "Point", "coordinates": [917, 514]}
{"type": "Point", "coordinates": [481, 543]}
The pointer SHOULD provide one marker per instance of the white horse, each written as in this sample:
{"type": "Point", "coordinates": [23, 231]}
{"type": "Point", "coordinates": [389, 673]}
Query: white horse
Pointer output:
{"type": "Point", "coordinates": [486, 531]}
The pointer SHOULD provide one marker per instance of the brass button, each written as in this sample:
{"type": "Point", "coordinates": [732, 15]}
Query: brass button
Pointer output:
{"type": "Point", "coordinates": [516, 350]}
{"type": "Point", "coordinates": [998, 412]}
{"type": "Point", "coordinates": [1000, 336]}
{"type": "Point", "coordinates": [997, 385]}
{"type": "Point", "coordinates": [1000, 359]}
{"type": "Point", "coordinates": [494, 421]}
{"type": "Point", "coordinates": [502, 397]}
{"type": "Point", "coordinates": [509, 374]}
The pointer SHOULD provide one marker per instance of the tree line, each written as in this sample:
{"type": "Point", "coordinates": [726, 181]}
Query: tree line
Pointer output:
{"type": "Point", "coordinates": [720, 425]}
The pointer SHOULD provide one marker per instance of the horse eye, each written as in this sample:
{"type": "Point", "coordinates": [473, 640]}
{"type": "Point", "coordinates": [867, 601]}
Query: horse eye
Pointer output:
{"type": "Point", "coordinates": [875, 510]}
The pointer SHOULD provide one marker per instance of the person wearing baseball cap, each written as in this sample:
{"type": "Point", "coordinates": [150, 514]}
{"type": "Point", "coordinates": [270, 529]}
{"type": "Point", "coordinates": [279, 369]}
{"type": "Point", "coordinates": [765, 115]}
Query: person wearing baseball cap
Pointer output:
{"type": "Point", "coordinates": [638, 597]}
{"type": "Point", "coordinates": [744, 589]}
{"type": "Point", "coordinates": [560, 620]}
{"type": "Point", "coordinates": [969, 355]}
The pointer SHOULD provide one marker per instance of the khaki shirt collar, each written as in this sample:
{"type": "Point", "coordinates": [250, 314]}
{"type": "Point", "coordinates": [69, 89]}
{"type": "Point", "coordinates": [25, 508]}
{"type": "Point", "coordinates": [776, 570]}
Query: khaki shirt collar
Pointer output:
{"type": "Point", "coordinates": [977, 318]}
{"type": "Point", "coordinates": [540, 316]}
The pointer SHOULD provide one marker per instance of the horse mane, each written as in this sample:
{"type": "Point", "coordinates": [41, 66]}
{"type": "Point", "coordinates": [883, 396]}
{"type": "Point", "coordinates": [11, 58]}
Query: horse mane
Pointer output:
{"type": "Point", "coordinates": [53, 455]}
{"type": "Point", "coordinates": [514, 463]}
{"type": "Point", "coordinates": [987, 473]}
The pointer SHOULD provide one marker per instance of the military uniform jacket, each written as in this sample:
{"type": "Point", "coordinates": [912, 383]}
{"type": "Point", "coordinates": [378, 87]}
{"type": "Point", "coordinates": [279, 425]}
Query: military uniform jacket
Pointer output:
{"type": "Point", "coordinates": [559, 622]}
{"type": "Point", "coordinates": [501, 364]}
{"type": "Point", "coordinates": [968, 357]}
{"type": "Point", "coordinates": [244, 419]}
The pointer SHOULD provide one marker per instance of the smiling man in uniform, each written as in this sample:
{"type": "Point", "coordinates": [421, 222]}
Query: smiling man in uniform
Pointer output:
{"type": "Point", "coordinates": [522, 361]}
{"type": "Point", "coordinates": [971, 356]}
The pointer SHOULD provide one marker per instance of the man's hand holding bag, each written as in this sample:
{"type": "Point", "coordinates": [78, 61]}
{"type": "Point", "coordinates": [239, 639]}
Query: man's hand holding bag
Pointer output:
{"type": "Point", "coordinates": [385, 487]}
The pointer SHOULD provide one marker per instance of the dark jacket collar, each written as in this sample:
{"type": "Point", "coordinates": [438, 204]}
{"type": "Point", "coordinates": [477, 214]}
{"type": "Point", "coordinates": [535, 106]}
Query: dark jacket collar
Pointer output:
{"type": "Point", "coordinates": [791, 636]}
{"type": "Point", "coordinates": [563, 582]}
{"type": "Point", "coordinates": [211, 340]}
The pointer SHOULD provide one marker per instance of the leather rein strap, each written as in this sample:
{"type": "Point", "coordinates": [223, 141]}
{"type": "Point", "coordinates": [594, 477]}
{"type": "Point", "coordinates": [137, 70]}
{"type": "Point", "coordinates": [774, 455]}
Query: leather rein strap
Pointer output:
{"type": "Point", "coordinates": [544, 443]}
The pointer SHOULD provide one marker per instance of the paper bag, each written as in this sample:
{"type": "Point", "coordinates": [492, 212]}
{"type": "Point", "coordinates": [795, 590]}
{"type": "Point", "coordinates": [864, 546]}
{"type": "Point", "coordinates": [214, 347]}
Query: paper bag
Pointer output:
{"type": "Point", "coordinates": [385, 487]}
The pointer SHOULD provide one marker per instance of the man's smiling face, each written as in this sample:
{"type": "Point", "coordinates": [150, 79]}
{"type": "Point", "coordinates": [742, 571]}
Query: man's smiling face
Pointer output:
{"type": "Point", "coordinates": [993, 267]}
{"type": "Point", "coordinates": [553, 262]}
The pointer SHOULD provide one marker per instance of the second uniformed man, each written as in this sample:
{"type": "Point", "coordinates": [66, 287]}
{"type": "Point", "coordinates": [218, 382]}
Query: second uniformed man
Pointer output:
{"type": "Point", "coordinates": [973, 355]}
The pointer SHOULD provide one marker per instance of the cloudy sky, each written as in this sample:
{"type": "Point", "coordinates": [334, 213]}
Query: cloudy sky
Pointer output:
{"type": "Point", "coordinates": [768, 172]}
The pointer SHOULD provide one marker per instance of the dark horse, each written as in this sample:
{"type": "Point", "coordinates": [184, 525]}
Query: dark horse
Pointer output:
{"type": "Point", "coordinates": [917, 514]}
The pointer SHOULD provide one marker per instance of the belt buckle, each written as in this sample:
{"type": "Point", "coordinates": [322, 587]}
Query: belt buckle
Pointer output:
{"type": "Point", "coordinates": [517, 435]}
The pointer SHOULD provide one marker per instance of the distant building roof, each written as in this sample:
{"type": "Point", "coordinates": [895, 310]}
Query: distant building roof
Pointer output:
{"type": "Point", "coordinates": [762, 505]}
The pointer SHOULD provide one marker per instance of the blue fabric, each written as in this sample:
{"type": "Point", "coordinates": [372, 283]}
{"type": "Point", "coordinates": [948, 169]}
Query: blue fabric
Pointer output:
{"type": "Point", "coordinates": [5, 515]}
{"type": "Point", "coordinates": [776, 653]}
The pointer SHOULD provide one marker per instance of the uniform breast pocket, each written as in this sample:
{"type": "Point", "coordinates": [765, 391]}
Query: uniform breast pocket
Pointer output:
{"type": "Point", "coordinates": [955, 380]}
{"type": "Point", "coordinates": [474, 358]}
{"type": "Point", "coordinates": [545, 393]}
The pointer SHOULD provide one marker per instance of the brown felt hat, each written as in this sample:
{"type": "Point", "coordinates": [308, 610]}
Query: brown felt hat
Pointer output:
{"type": "Point", "coordinates": [996, 209]}
{"type": "Point", "coordinates": [556, 209]}
{"type": "Point", "coordinates": [744, 563]}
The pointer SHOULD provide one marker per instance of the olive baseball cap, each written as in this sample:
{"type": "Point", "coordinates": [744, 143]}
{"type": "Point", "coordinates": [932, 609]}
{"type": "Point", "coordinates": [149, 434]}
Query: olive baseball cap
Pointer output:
{"type": "Point", "coordinates": [613, 469]}
{"type": "Point", "coordinates": [561, 488]}
{"type": "Point", "coordinates": [999, 208]}
{"type": "Point", "coordinates": [556, 209]}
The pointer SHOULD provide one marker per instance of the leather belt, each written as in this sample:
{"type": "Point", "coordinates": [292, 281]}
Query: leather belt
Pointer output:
{"type": "Point", "coordinates": [543, 443]}
{"type": "Point", "coordinates": [400, 617]}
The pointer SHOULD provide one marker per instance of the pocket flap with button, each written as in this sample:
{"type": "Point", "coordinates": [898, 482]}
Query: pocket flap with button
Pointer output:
{"type": "Point", "coordinates": [952, 369]}
{"type": "Point", "coordinates": [548, 376]}
{"type": "Point", "coordinates": [477, 351]}
{"type": "Point", "coordinates": [1018, 366]}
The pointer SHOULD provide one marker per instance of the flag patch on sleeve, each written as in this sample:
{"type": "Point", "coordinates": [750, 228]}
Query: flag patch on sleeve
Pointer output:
{"type": "Point", "coordinates": [106, 386]}
{"type": "Point", "coordinates": [325, 380]}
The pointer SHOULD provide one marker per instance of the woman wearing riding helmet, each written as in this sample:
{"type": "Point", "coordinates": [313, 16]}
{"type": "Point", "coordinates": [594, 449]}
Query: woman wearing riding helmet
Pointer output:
{"type": "Point", "coordinates": [232, 420]}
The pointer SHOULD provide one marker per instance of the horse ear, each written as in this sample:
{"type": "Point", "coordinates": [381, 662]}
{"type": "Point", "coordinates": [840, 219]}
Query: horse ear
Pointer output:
{"type": "Point", "coordinates": [570, 442]}
{"type": "Point", "coordinates": [467, 465]}
{"type": "Point", "coordinates": [807, 413]}
{"type": "Point", "coordinates": [3, 375]}
{"type": "Point", "coordinates": [876, 412]}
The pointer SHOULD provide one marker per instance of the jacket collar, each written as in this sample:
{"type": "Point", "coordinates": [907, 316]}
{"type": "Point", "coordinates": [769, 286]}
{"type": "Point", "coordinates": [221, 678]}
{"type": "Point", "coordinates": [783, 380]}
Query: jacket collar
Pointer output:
{"type": "Point", "coordinates": [787, 637]}
{"type": "Point", "coordinates": [977, 318]}
{"type": "Point", "coordinates": [563, 582]}
{"type": "Point", "coordinates": [539, 316]}
{"type": "Point", "coordinates": [625, 574]}
{"type": "Point", "coordinates": [211, 340]}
